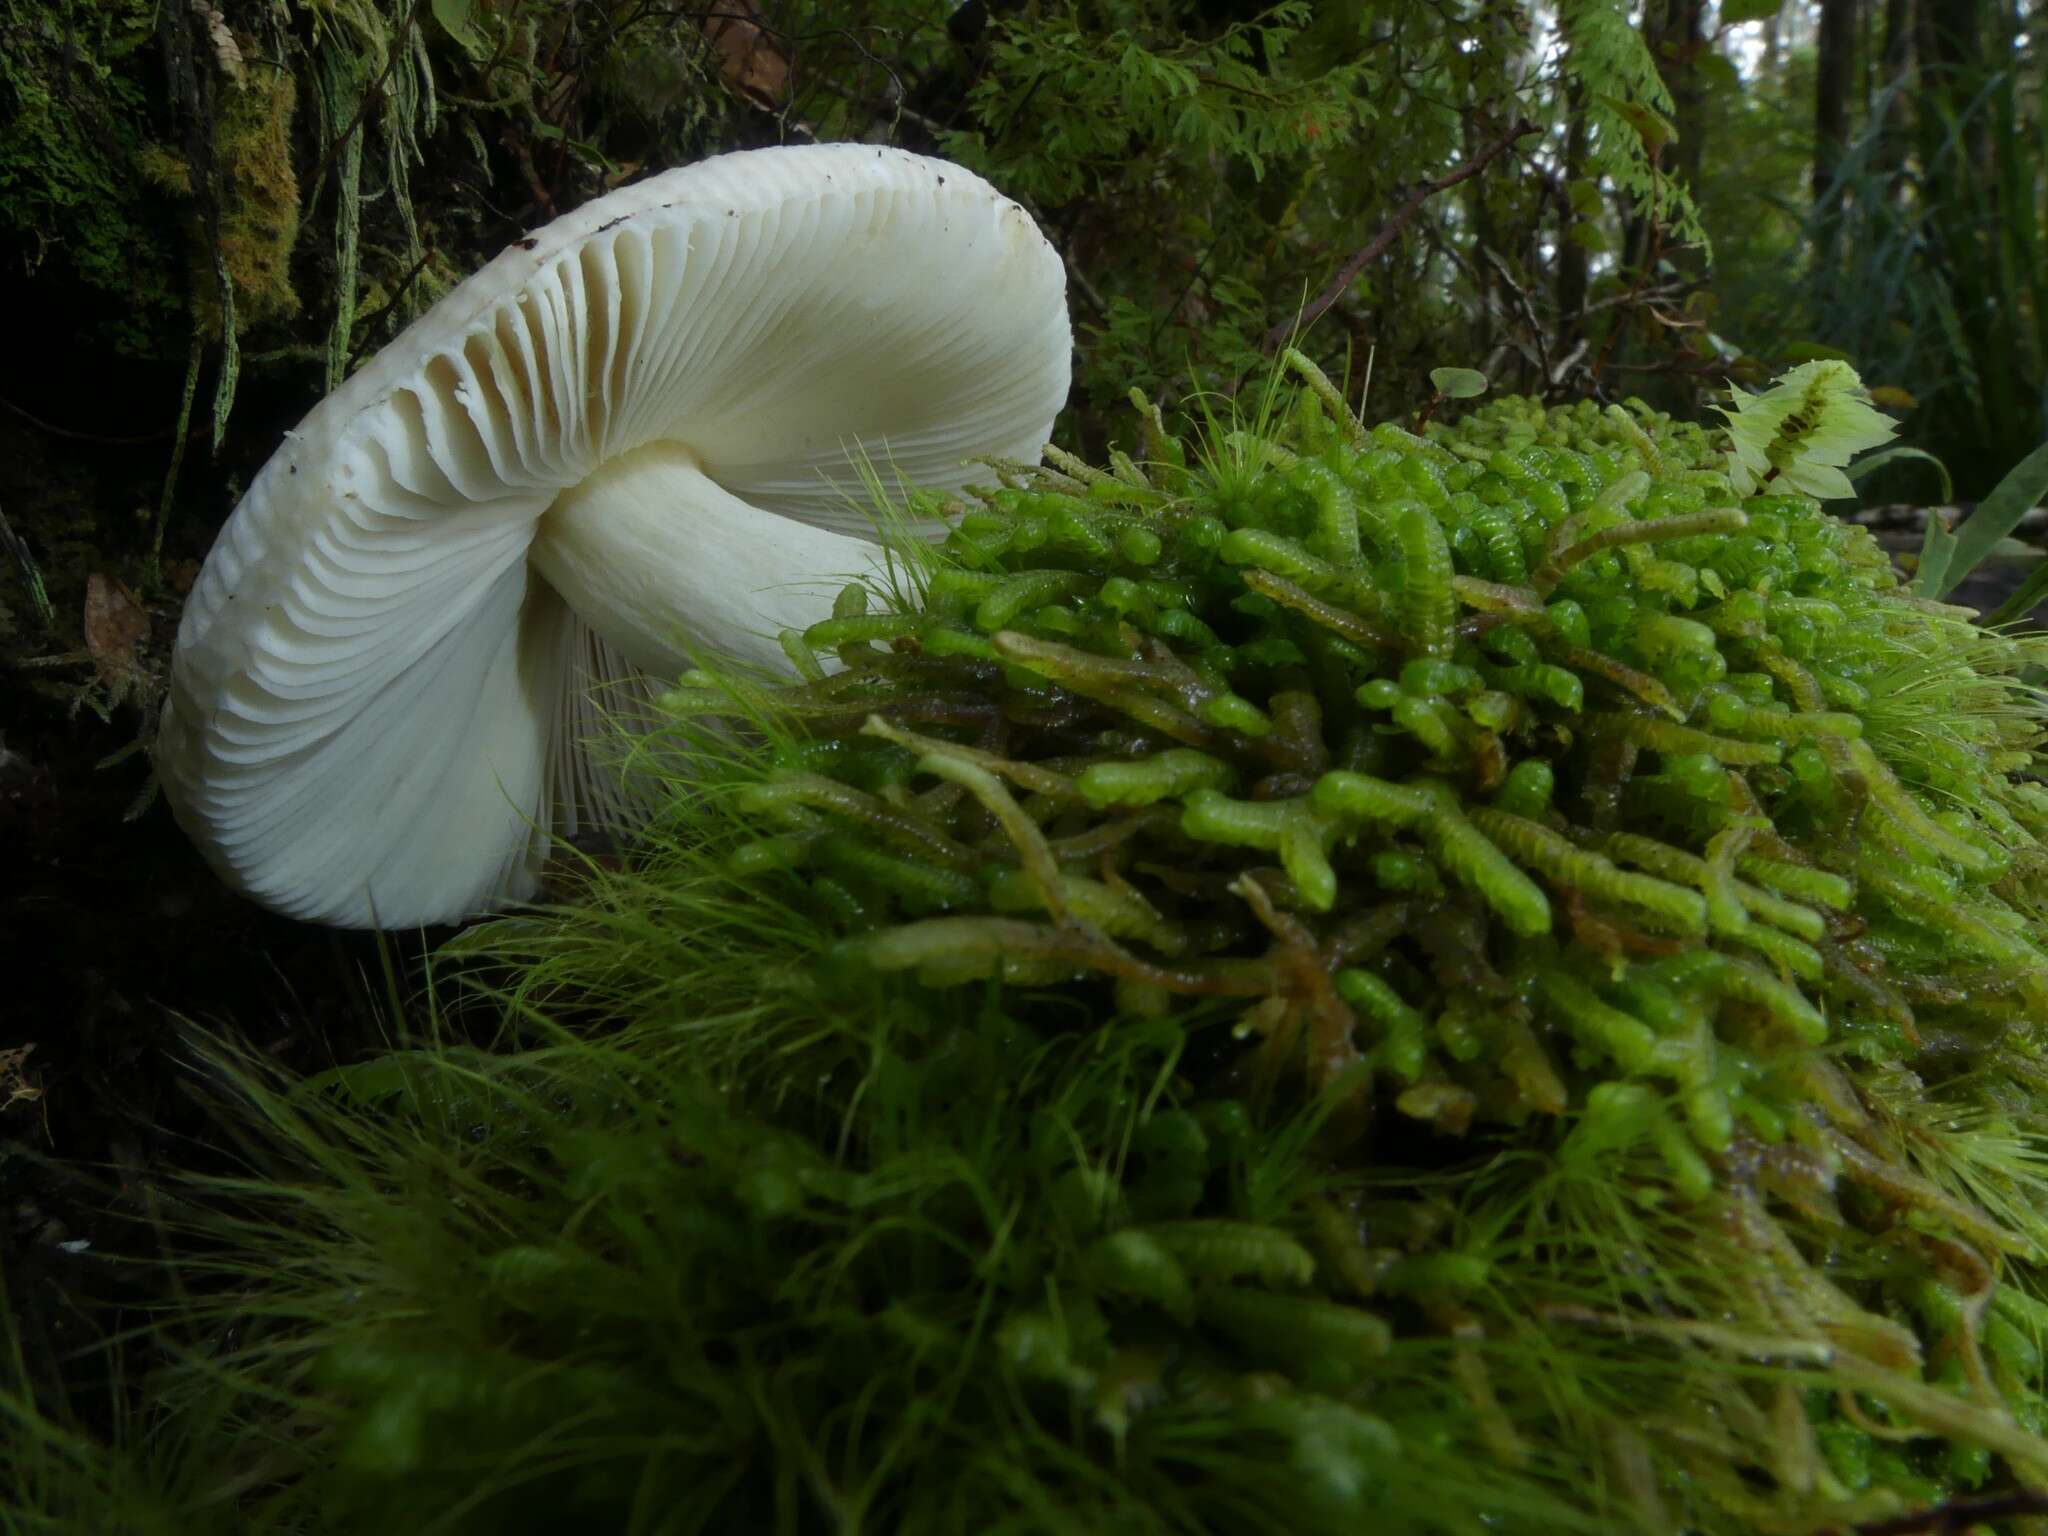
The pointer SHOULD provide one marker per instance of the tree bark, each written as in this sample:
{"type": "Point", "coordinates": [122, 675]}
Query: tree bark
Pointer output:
{"type": "Point", "coordinates": [1895, 66]}
{"type": "Point", "coordinates": [1683, 40]}
{"type": "Point", "coordinates": [1835, 60]}
{"type": "Point", "coordinates": [1676, 33]}
{"type": "Point", "coordinates": [1573, 260]}
{"type": "Point", "coordinates": [1948, 44]}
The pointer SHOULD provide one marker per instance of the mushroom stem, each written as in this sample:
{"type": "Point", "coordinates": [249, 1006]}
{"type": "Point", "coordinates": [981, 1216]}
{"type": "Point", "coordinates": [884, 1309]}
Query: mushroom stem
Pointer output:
{"type": "Point", "coordinates": [659, 559]}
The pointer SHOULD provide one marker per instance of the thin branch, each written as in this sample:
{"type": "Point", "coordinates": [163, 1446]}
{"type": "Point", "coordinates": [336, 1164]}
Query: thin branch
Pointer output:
{"type": "Point", "coordinates": [1087, 289]}
{"type": "Point", "coordinates": [369, 322]}
{"type": "Point", "coordinates": [86, 437]}
{"type": "Point", "coordinates": [1522, 302]}
{"type": "Point", "coordinates": [373, 92]}
{"type": "Point", "coordinates": [1377, 247]}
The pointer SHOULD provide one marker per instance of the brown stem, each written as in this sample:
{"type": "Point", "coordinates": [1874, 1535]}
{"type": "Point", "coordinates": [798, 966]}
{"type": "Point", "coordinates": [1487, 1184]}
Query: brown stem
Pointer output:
{"type": "Point", "coordinates": [1377, 246]}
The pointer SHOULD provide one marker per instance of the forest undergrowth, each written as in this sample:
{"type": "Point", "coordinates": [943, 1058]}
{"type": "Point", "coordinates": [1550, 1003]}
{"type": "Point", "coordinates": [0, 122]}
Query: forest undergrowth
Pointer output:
{"type": "Point", "coordinates": [1477, 980]}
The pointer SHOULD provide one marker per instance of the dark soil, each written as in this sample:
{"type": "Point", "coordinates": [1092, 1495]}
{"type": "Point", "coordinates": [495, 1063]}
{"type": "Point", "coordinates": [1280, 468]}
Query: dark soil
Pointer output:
{"type": "Point", "coordinates": [120, 945]}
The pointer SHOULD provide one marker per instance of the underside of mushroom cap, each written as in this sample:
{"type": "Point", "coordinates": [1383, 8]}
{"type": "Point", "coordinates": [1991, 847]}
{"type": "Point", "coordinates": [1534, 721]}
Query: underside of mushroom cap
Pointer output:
{"type": "Point", "coordinates": [379, 707]}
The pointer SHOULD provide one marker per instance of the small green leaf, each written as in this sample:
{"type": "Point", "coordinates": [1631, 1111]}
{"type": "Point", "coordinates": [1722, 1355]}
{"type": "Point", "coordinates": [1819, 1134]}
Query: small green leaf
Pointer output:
{"type": "Point", "coordinates": [1996, 516]}
{"type": "Point", "coordinates": [1588, 236]}
{"type": "Point", "coordinates": [1811, 352]}
{"type": "Point", "coordinates": [1719, 71]}
{"type": "Point", "coordinates": [1653, 128]}
{"type": "Point", "coordinates": [1877, 461]}
{"type": "Point", "coordinates": [1937, 551]}
{"type": "Point", "coordinates": [1587, 201]}
{"type": "Point", "coordinates": [455, 17]}
{"type": "Point", "coordinates": [2024, 601]}
{"type": "Point", "coordinates": [1458, 383]}
{"type": "Point", "coordinates": [1735, 12]}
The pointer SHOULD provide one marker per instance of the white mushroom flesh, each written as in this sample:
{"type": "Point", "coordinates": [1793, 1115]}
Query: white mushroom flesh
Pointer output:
{"type": "Point", "coordinates": [640, 437]}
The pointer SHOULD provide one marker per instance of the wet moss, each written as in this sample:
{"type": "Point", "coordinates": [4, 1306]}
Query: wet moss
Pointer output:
{"type": "Point", "coordinates": [75, 92]}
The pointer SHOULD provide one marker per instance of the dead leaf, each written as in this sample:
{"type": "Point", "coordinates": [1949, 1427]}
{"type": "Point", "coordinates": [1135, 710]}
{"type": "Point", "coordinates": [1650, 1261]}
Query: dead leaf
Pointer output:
{"type": "Point", "coordinates": [15, 1087]}
{"type": "Point", "coordinates": [181, 574]}
{"type": "Point", "coordinates": [114, 623]}
{"type": "Point", "coordinates": [226, 51]}
{"type": "Point", "coordinates": [749, 61]}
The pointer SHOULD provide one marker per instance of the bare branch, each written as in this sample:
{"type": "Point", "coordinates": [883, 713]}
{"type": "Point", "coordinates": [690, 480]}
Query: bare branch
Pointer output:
{"type": "Point", "coordinates": [1378, 245]}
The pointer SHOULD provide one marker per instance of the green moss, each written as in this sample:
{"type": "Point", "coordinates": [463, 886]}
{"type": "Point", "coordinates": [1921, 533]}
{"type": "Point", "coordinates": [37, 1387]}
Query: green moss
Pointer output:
{"type": "Point", "coordinates": [256, 186]}
{"type": "Point", "coordinates": [1295, 783]}
{"type": "Point", "coordinates": [259, 222]}
{"type": "Point", "coordinates": [74, 95]}
{"type": "Point", "coordinates": [1328, 980]}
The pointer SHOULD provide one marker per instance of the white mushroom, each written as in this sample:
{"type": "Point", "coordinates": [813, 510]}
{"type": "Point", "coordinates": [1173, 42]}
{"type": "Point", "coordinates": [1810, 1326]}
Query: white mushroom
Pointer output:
{"type": "Point", "coordinates": [636, 432]}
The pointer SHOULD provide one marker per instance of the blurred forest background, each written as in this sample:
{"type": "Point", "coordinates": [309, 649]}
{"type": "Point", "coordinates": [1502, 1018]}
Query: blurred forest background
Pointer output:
{"type": "Point", "coordinates": [212, 210]}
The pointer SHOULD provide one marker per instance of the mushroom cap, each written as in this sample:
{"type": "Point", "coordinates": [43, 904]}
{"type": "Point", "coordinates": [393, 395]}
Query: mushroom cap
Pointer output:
{"type": "Point", "coordinates": [380, 708]}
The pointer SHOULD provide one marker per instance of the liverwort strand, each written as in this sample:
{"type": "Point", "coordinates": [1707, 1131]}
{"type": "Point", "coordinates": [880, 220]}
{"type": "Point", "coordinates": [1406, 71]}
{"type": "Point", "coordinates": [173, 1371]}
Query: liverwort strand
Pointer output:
{"type": "Point", "coordinates": [1108, 680]}
{"type": "Point", "coordinates": [1139, 546]}
{"type": "Point", "coordinates": [1121, 913]}
{"type": "Point", "coordinates": [1730, 712]}
{"type": "Point", "coordinates": [1031, 776]}
{"type": "Point", "coordinates": [1897, 802]}
{"type": "Point", "coordinates": [1543, 850]}
{"type": "Point", "coordinates": [1161, 446]}
{"type": "Point", "coordinates": [1541, 682]}
{"type": "Point", "coordinates": [1956, 922]}
{"type": "Point", "coordinates": [1642, 531]}
{"type": "Point", "coordinates": [1627, 1039]}
{"type": "Point", "coordinates": [1528, 788]}
{"type": "Point", "coordinates": [1230, 712]}
{"type": "Point", "coordinates": [780, 851]}
{"type": "Point", "coordinates": [1676, 864]}
{"type": "Point", "coordinates": [1125, 469]}
{"type": "Point", "coordinates": [1022, 831]}
{"type": "Point", "coordinates": [1465, 853]}
{"type": "Point", "coordinates": [1641, 684]}
{"type": "Point", "coordinates": [1749, 983]}
{"type": "Point", "coordinates": [1360, 797]}
{"type": "Point", "coordinates": [1397, 869]}
{"type": "Point", "coordinates": [1014, 594]}
{"type": "Point", "coordinates": [951, 592]}
{"type": "Point", "coordinates": [1498, 597]}
{"type": "Point", "coordinates": [859, 629]}
{"type": "Point", "coordinates": [1802, 882]}
{"type": "Point", "coordinates": [1294, 828]}
{"type": "Point", "coordinates": [1075, 469]}
{"type": "Point", "coordinates": [1725, 912]}
{"type": "Point", "coordinates": [919, 884]}
{"type": "Point", "coordinates": [1667, 737]}
{"type": "Point", "coordinates": [1784, 951]}
{"type": "Point", "coordinates": [1431, 722]}
{"type": "Point", "coordinates": [806, 791]}
{"type": "Point", "coordinates": [1285, 558]}
{"type": "Point", "coordinates": [801, 657]}
{"type": "Point", "coordinates": [1169, 775]}
{"type": "Point", "coordinates": [1341, 621]}
{"type": "Point", "coordinates": [1425, 608]}
{"type": "Point", "coordinates": [1320, 386]}
{"type": "Point", "coordinates": [1071, 530]}
{"type": "Point", "coordinates": [1336, 531]}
